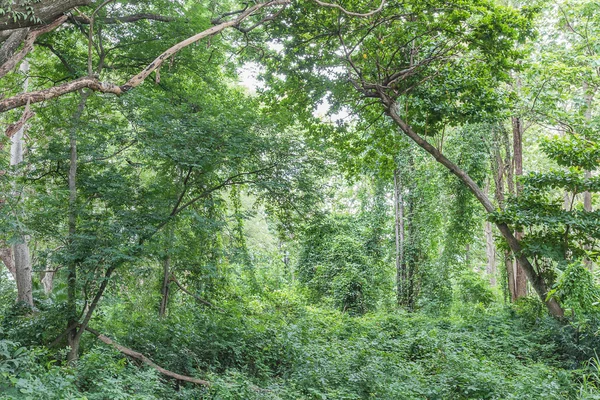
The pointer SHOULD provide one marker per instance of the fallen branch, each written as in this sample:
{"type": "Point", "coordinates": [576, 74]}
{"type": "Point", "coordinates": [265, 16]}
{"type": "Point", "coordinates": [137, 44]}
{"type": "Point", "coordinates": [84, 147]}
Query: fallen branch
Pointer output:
{"type": "Point", "coordinates": [140, 357]}
{"type": "Point", "coordinates": [198, 298]}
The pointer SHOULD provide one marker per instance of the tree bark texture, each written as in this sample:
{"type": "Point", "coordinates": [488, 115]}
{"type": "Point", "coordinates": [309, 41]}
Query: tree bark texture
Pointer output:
{"type": "Point", "coordinates": [44, 12]}
{"type": "Point", "coordinates": [587, 196]}
{"type": "Point", "coordinates": [7, 258]}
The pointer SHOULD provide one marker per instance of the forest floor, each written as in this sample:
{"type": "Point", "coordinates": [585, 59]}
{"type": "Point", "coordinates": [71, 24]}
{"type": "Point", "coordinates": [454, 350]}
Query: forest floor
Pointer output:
{"type": "Point", "coordinates": [283, 348]}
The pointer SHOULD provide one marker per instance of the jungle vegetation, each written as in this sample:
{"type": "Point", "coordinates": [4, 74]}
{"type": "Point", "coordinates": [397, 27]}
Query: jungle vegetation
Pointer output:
{"type": "Point", "coordinates": [299, 199]}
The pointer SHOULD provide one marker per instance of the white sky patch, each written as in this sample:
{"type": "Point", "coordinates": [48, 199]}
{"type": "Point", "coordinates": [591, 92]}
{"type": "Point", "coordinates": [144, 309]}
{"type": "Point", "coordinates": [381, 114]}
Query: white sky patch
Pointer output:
{"type": "Point", "coordinates": [248, 76]}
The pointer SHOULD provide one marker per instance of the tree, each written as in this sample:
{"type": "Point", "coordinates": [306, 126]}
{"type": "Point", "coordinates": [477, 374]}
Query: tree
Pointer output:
{"type": "Point", "coordinates": [425, 65]}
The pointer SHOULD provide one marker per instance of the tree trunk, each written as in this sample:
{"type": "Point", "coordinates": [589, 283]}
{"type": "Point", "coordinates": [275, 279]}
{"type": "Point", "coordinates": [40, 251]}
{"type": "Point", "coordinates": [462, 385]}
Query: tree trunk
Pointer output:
{"type": "Point", "coordinates": [165, 286]}
{"type": "Point", "coordinates": [44, 12]}
{"type": "Point", "coordinates": [520, 278]}
{"type": "Point", "coordinates": [490, 247]}
{"type": "Point", "coordinates": [399, 223]}
{"type": "Point", "coordinates": [587, 196]}
{"type": "Point", "coordinates": [72, 337]}
{"type": "Point", "coordinates": [490, 251]}
{"type": "Point", "coordinates": [537, 281]}
{"type": "Point", "coordinates": [7, 258]}
{"type": "Point", "coordinates": [20, 250]}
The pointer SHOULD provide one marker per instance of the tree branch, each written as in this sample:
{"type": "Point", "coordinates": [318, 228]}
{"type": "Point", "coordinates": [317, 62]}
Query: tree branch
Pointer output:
{"type": "Point", "coordinates": [12, 43]}
{"type": "Point", "coordinates": [350, 13]}
{"type": "Point", "coordinates": [140, 357]}
{"type": "Point", "coordinates": [18, 16]}
{"type": "Point", "coordinates": [28, 46]}
{"type": "Point", "coordinates": [105, 87]}
{"type": "Point", "coordinates": [125, 19]}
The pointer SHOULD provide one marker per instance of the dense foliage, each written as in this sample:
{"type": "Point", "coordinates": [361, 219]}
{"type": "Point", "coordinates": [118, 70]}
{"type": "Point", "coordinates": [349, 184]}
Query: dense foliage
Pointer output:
{"type": "Point", "coordinates": [299, 199]}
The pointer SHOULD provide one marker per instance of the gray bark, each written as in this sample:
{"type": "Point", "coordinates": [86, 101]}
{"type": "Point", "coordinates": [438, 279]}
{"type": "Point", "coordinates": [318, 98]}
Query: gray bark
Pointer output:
{"type": "Point", "coordinates": [587, 196]}
{"type": "Point", "coordinates": [519, 274]}
{"type": "Point", "coordinates": [20, 250]}
{"type": "Point", "coordinates": [44, 11]}
{"type": "Point", "coordinates": [7, 258]}
{"type": "Point", "coordinates": [12, 43]}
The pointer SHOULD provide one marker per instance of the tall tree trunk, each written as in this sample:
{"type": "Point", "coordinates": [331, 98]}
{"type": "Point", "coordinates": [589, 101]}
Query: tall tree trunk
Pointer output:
{"type": "Point", "coordinates": [587, 196]}
{"type": "Point", "coordinates": [20, 250]}
{"type": "Point", "coordinates": [73, 338]}
{"type": "Point", "coordinates": [165, 286]}
{"type": "Point", "coordinates": [490, 247]}
{"type": "Point", "coordinates": [399, 223]}
{"type": "Point", "coordinates": [520, 278]}
{"type": "Point", "coordinates": [537, 281]}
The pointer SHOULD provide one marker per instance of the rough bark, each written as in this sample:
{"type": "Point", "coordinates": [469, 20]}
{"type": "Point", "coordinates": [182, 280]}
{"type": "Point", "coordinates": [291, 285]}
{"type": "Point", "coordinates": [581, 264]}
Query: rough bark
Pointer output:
{"type": "Point", "coordinates": [536, 280]}
{"type": "Point", "coordinates": [12, 43]}
{"type": "Point", "coordinates": [23, 273]}
{"type": "Point", "coordinates": [587, 196]}
{"type": "Point", "coordinates": [28, 45]}
{"type": "Point", "coordinates": [490, 249]}
{"type": "Point", "coordinates": [44, 11]}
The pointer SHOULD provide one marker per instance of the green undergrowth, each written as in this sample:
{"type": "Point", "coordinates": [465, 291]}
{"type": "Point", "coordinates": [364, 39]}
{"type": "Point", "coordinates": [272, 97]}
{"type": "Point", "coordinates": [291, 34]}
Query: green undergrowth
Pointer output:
{"type": "Point", "coordinates": [285, 349]}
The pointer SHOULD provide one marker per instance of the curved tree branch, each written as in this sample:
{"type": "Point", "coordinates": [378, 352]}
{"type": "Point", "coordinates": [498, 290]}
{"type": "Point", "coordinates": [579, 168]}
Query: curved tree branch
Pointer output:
{"type": "Point", "coordinates": [106, 87]}
{"type": "Point", "coordinates": [140, 357]}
